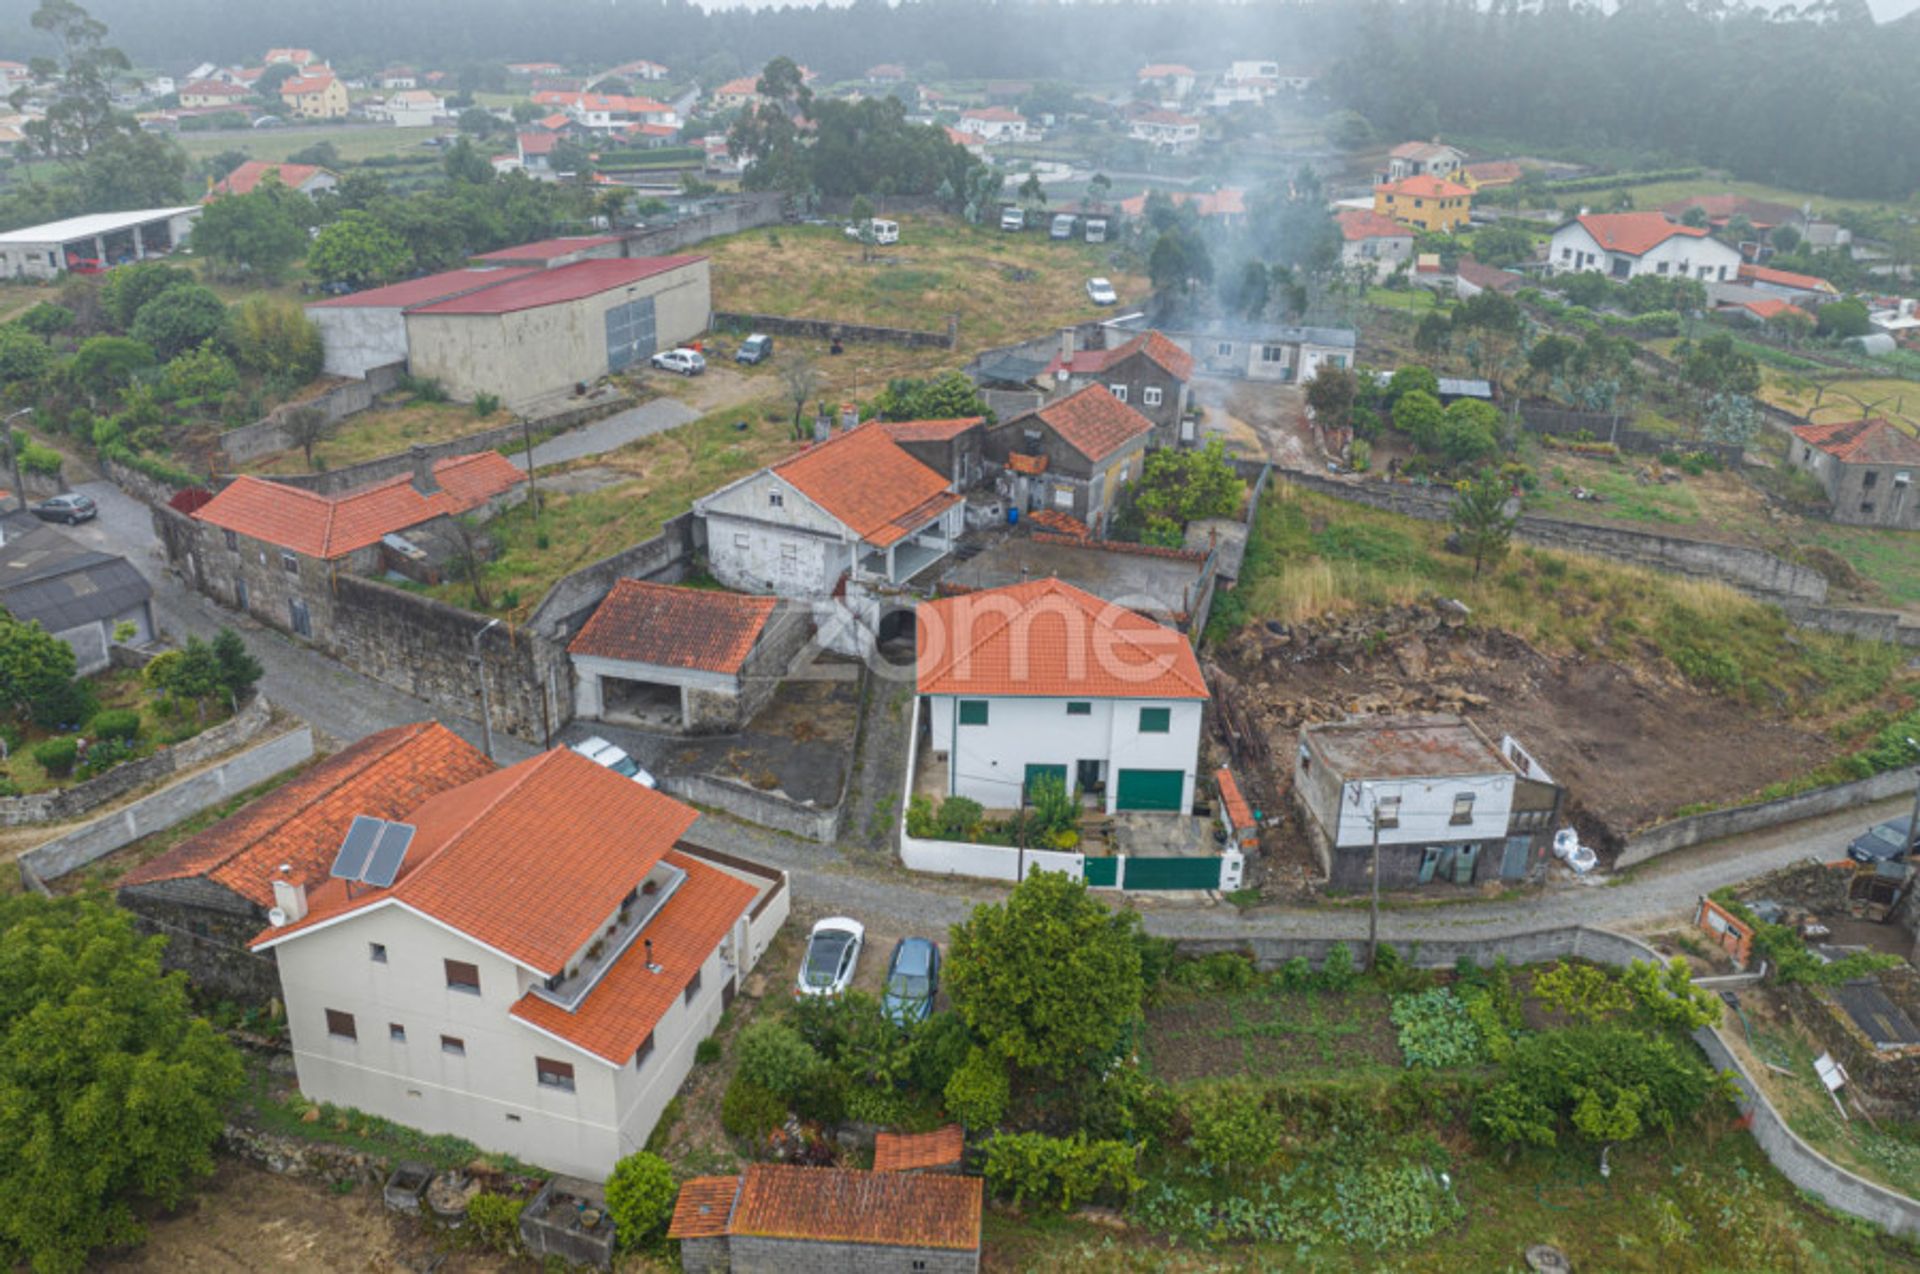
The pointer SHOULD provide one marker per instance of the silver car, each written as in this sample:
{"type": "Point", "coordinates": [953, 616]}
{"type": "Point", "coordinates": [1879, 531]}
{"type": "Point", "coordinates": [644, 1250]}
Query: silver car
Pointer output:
{"type": "Point", "coordinates": [1100, 292]}
{"type": "Point", "coordinates": [602, 752]}
{"type": "Point", "coordinates": [833, 952]}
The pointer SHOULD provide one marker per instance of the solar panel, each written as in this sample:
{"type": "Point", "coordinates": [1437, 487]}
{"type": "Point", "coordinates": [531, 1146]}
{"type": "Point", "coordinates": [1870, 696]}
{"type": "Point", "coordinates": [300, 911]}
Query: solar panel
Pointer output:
{"type": "Point", "coordinates": [357, 848]}
{"type": "Point", "coordinates": [387, 857]}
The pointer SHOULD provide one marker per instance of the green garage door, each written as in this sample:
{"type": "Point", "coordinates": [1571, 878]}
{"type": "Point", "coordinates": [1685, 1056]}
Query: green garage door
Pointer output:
{"type": "Point", "coordinates": [1036, 771]}
{"type": "Point", "coordinates": [1150, 790]}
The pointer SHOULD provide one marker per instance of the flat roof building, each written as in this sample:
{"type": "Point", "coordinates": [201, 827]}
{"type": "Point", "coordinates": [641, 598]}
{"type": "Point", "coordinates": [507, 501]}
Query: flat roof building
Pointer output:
{"type": "Point", "coordinates": [94, 242]}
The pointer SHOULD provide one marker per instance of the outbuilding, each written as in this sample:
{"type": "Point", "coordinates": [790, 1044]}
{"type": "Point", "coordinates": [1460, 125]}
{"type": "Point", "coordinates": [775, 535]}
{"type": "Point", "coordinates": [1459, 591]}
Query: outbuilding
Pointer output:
{"type": "Point", "coordinates": [95, 242]}
{"type": "Point", "coordinates": [78, 594]}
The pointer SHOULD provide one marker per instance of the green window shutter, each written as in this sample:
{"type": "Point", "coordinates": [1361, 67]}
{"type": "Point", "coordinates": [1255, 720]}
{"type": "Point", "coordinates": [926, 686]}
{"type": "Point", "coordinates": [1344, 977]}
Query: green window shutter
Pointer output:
{"type": "Point", "coordinates": [973, 712]}
{"type": "Point", "coordinates": [1078, 709]}
{"type": "Point", "coordinates": [1156, 720]}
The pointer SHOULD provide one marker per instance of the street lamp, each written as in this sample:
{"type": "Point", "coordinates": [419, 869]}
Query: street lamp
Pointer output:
{"type": "Point", "coordinates": [480, 675]}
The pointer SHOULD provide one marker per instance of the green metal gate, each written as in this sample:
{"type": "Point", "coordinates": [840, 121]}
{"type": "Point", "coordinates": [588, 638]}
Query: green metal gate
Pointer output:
{"type": "Point", "coordinates": [1102, 872]}
{"type": "Point", "coordinates": [1172, 873]}
{"type": "Point", "coordinates": [1150, 790]}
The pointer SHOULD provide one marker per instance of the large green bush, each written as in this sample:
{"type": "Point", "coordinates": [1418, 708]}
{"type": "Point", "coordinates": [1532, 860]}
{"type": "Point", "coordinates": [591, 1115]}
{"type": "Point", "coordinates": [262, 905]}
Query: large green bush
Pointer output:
{"type": "Point", "coordinates": [115, 723]}
{"type": "Point", "coordinates": [1062, 1170]}
{"type": "Point", "coordinates": [181, 318]}
{"type": "Point", "coordinates": [977, 1092]}
{"type": "Point", "coordinates": [1608, 1083]}
{"type": "Point", "coordinates": [56, 756]}
{"type": "Point", "coordinates": [640, 1199]}
{"type": "Point", "coordinates": [1230, 1126]}
{"type": "Point", "coordinates": [773, 1055]}
{"type": "Point", "coordinates": [748, 1110]}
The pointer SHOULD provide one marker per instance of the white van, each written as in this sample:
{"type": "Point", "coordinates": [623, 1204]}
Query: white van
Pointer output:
{"type": "Point", "coordinates": [1012, 219]}
{"type": "Point", "coordinates": [1062, 226]}
{"type": "Point", "coordinates": [883, 231]}
{"type": "Point", "coordinates": [1096, 229]}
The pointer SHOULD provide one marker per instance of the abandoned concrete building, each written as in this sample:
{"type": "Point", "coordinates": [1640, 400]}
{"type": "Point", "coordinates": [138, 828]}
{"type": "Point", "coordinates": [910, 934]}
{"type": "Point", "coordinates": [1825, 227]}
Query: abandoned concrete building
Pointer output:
{"type": "Point", "coordinates": [1867, 468]}
{"type": "Point", "coordinates": [211, 893]}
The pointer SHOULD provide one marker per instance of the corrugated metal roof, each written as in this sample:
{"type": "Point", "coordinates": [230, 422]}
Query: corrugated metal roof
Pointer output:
{"type": "Point", "coordinates": [47, 577]}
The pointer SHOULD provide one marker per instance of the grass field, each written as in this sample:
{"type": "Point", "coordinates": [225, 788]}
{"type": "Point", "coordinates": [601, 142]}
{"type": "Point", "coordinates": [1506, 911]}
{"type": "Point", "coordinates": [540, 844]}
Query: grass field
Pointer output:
{"type": "Point", "coordinates": [1663, 192]}
{"type": "Point", "coordinates": [382, 432]}
{"type": "Point", "coordinates": [1890, 397]}
{"type": "Point", "coordinates": [277, 143]}
{"type": "Point", "coordinates": [1003, 287]}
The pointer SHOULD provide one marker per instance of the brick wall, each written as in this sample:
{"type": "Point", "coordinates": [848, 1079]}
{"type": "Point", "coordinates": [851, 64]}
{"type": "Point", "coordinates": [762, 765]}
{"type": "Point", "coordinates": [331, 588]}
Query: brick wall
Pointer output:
{"type": "Point", "coordinates": [1725, 930]}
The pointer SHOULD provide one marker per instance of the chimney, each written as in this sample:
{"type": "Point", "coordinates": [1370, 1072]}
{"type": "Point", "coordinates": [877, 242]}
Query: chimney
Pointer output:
{"type": "Point", "coordinates": [822, 425]}
{"type": "Point", "coordinates": [289, 895]}
{"type": "Point", "coordinates": [423, 480]}
{"type": "Point", "coordinates": [849, 417]}
{"type": "Point", "coordinates": [1066, 345]}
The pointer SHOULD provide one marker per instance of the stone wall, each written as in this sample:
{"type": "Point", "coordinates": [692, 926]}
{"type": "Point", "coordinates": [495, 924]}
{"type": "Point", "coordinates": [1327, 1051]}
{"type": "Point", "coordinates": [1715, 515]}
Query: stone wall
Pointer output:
{"type": "Point", "coordinates": [89, 794]}
{"type": "Point", "coordinates": [1715, 824]}
{"type": "Point", "coordinates": [140, 486]}
{"type": "Point", "coordinates": [164, 808]}
{"type": "Point", "coordinates": [1755, 572]}
{"type": "Point", "coordinates": [1871, 625]}
{"type": "Point", "coordinates": [1888, 1077]}
{"type": "Point", "coordinates": [753, 1255]}
{"type": "Point", "coordinates": [662, 559]}
{"type": "Point", "coordinates": [736, 213]}
{"type": "Point", "coordinates": [269, 434]}
{"type": "Point", "coordinates": [750, 804]}
{"type": "Point", "coordinates": [1543, 420]}
{"type": "Point", "coordinates": [207, 927]}
{"type": "Point", "coordinates": [828, 329]}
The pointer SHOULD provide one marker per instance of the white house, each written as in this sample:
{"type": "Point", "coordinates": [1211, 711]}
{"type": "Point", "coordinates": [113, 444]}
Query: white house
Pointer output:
{"type": "Point", "coordinates": [1368, 239]}
{"type": "Point", "coordinates": [527, 962]}
{"type": "Point", "coordinates": [413, 108]}
{"type": "Point", "coordinates": [1622, 245]}
{"type": "Point", "coordinates": [1173, 81]}
{"type": "Point", "coordinates": [1168, 131]}
{"type": "Point", "coordinates": [1045, 678]}
{"type": "Point", "coordinates": [1421, 159]}
{"type": "Point", "coordinates": [994, 124]}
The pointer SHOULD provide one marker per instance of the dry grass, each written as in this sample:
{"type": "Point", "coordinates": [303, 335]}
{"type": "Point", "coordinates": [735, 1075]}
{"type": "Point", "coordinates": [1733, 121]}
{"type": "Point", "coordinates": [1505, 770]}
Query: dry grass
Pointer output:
{"type": "Point", "coordinates": [381, 432]}
{"type": "Point", "coordinates": [1841, 400]}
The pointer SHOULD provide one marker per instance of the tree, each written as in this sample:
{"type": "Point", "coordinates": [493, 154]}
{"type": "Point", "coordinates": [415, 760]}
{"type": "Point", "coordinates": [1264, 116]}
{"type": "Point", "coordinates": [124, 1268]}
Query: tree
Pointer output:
{"type": "Point", "coordinates": [1183, 486]}
{"type": "Point", "coordinates": [82, 114]}
{"type": "Point", "coordinates": [1099, 187]}
{"type": "Point", "coordinates": [131, 170]}
{"type": "Point", "coordinates": [322, 154]}
{"type": "Point", "coordinates": [1251, 288]}
{"type": "Point", "coordinates": [274, 337]}
{"type": "Point", "coordinates": [863, 222]}
{"type": "Point", "coordinates": [1481, 520]}
{"type": "Point", "coordinates": [108, 363]}
{"type": "Point", "coordinates": [1694, 218]}
{"type": "Point", "coordinates": [239, 671]}
{"type": "Point", "coordinates": [1784, 239]}
{"type": "Point", "coordinates": [1033, 196]}
{"type": "Point", "coordinates": [1502, 245]}
{"type": "Point", "coordinates": [358, 250]}
{"type": "Point", "coordinates": [640, 1196]}
{"type": "Point", "coordinates": [1409, 378]}
{"type": "Point", "coordinates": [1050, 980]}
{"type": "Point", "coordinates": [194, 675]}
{"type": "Point", "coordinates": [36, 669]}
{"type": "Point", "coordinates": [801, 376]}
{"type": "Point", "coordinates": [267, 87]}
{"type": "Point", "coordinates": [202, 375]}
{"type": "Point", "coordinates": [251, 233]}
{"type": "Point", "coordinates": [304, 426]}
{"type": "Point", "coordinates": [1434, 335]}
{"type": "Point", "coordinates": [116, 1092]}
{"type": "Point", "coordinates": [1715, 366]}
{"type": "Point", "coordinates": [180, 318]}
{"type": "Point", "coordinates": [1349, 130]}
{"type": "Point", "coordinates": [1178, 260]}
{"type": "Point", "coordinates": [948, 396]}
{"type": "Point", "coordinates": [128, 288]}
{"type": "Point", "coordinates": [1471, 431]}
{"type": "Point", "coordinates": [1842, 319]}
{"type": "Point", "coordinates": [1549, 357]}
{"type": "Point", "coordinates": [1419, 415]}
{"type": "Point", "coordinates": [23, 356]}
{"type": "Point", "coordinates": [1331, 395]}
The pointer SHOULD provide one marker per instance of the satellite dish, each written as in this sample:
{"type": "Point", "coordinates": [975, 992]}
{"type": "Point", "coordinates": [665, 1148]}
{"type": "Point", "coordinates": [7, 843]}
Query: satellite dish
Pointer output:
{"type": "Point", "coordinates": [277, 917]}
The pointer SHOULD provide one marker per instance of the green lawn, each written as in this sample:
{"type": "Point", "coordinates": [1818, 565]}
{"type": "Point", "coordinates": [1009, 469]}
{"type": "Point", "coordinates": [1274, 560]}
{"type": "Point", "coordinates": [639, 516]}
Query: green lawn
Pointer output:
{"type": "Point", "coordinates": [1662, 192]}
{"type": "Point", "coordinates": [1890, 559]}
{"type": "Point", "coordinates": [1626, 499]}
{"type": "Point", "coordinates": [1412, 300]}
{"type": "Point", "coordinates": [272, 144]}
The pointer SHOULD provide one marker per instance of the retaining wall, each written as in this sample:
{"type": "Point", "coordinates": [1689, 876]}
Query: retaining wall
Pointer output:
{"type": "Point", "coordinates": [140, 486]}
{"type": "Point", "coordinates": [163, 809]}
{"type": "Point", "coordinates": [1542, 420]}
{"type": "Point", "coordinates": [90, 794]}
{"type": "Point", "coordinates": [662, 559]}
{"type": "Point", "coordinates": [828, 329]}
{"type": "Point", "coordinates": [766, 809]}
{"type": "Point", "coordinates": [1873, 625]}
{"type": "Point", "coordinates": [269, 434]}
{"type": "Point", "coordinates": [740, 212]}
{"type": "Point", "coordinates": [1715, 824]}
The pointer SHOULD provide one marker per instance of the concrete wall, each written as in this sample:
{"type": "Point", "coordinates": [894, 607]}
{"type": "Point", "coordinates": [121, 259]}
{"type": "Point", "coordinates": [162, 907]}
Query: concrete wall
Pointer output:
{"type": "Point", "coordinates": [1873, 625]}
{"type": "Point", "coordinates": [752, 1255]}
{"type": "Point", "coordinates": [163, 808]}
{"type": "Point", "coordinates": [767, 809]}
{"type": "Point", "coordinates": [1683, 832]}
{"type": "Point", "coordinates": [728, 216]}
{"type": "Point", "coordinates": [269, 434]}
{"type": "Point", "coordinates": [359, 338]}
{"type": "Point", "coordinates": [828, 329]}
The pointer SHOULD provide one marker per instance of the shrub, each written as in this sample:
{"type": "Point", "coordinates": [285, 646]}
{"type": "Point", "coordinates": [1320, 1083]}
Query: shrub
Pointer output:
{"type": "Point", "coordinates": [1221, 971]}
{"type": "Point", "coordinates": [977, 1093]}
{"type": "Point", "coordinates": [1337, 971]}
{"type": "Point", "coordinates": [485, 405]}
{"type": "Point", "coordinates": [775, 1057]}
{"type": "Point", "coordinates": [1436, 1029]}
{"type": "Point", "coordinates": [116, 723]}
{"type": "Point", "coordinates": [56, 756]}
{"type": "Point", "coordinates": [748, 1110]}
{"type": "Point", "coordinates": [1296, 975]}
{"type": "Point", "coordinates": [939, 1048]}
{"type": "Point", "coordinates": [496, 1221]}
{"type": "Point", "coordinates": [960, 818]}
{"type": "Point", "coordinates": [823, 1098]}
{"type": "Point", "coordinates": [706, 1052]}
{"type": "Point", "coordinates": [640, 1199]}
{"type": "Point", "coordinates": [1231, 1129]}
{"type": "Point", "coordinates": [1062, 1170]}
{"type": "Point", "coordinates": [274, 337]}
{"type": "Point", "coordinates": [1609, 1083]}
{"type": "Point", "coordinates": [106, 754]}
{"type": "Point", "coordinates": [182, 317]}
{"type": "Point", "coordinates": [46, 319]}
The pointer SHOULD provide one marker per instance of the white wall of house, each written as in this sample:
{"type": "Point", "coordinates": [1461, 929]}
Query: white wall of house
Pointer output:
{"type": "Point", "coordinates": [1680, 256]}
{"type": "Point", "coordinates": [994, 130]}
{"type": "Point", "coordinates": [358, 338]}
{"type": "Point", "coordinates": [589, 697]}
{"type": "Point", "coordinates": [1383, 254]}
{"type": "Point", "coordinates": [1314, 357]}
{"type": "Point", "coordinates": [1426, 809]}
{"type": "Point", "coordinates": [989, 762]}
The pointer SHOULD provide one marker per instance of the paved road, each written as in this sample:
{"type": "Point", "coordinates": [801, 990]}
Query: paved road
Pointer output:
{"type": "Point", "coordinates": [864, 880]}
{"type": "Point", "coordinates": [610, 434]}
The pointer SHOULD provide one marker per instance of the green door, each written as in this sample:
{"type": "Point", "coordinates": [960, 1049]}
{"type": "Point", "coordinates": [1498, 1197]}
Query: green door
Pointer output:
{"type": "Point", "coordinates": [1035, 771]}
{"type": "Point", "coordinates": [1173, 873]}
{"type": "Point", "coordinates": [1102, 872]}
{"type": "Point", "coordinates": [1150, 790]}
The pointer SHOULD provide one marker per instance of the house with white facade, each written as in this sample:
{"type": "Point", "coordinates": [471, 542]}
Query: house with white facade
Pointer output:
{"type": "Point", "coordinates": [1044, 678]}
{"type": "Point", "coordinates": [412, 108]}
{"type": "Point", "coordinates": [1167, 131]}
{"type": "Point", "coordinates": [526, 961]}
{"type": "Point", "coordinates": [1449, 806]}
{"type": "Point", "coordinates": [1171, 80]}
{"type": "Point", "coordinates": [1421, 159]}
{"type": "Point", "coordinates": [1377, 243]}
{"type": "Point", "coordinates": [994, 124]}
{"type": "Point", "coordinates": [1622, 245]}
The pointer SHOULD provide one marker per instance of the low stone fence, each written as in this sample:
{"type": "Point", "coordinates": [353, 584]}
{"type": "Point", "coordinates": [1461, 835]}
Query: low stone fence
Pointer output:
{"type": "Point", "coordinates": [1872, 625]}
{"type": "Point", "coordinates": [163, 809]}
{"type": "Point", "coordinates": [71, 802]}
{"type": "Point", "coordinates": [829, 329]}
{"type": "Point", "coordinates": [1740, 819]}
{"type": "Point", "coordinates": [765, 809]}
{"type": "Point", "coordinates": [1542, 420]}
{"type": "Point", "coordinates": [140, 486]}
{"type": "Point", "coordinates": [269, 434]}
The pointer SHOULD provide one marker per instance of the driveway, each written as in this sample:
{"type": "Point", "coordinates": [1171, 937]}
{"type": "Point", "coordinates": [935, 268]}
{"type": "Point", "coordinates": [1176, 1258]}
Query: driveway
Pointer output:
{"type": "Point", "coordinates": [610, 434]}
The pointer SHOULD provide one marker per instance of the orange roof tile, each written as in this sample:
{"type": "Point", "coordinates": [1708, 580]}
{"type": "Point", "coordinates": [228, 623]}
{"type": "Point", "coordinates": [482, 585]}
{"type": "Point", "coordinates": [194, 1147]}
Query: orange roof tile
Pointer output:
{"type": "Point", "coordinates": [1768, 307]}
{"type": "Point", "coordinates": [1873, 441]}
{"type": "Point", "coordinates": [1156, 345]}
{"type": "Point", "coordinates": [528, 860]}
{"type": "Point", "coordinates": [1495, 172]}
{"type": "Point", "coordinates": [674, 627]}
{"type": "Point", "coordinates": [248, 176]}
{"type": "Point", "coordinates": [1047, 638]}
{"type": "Point", "coordinates": [1093, 422]}
{"type": "Point", "coordinates": [301, 85]}
{"type": "Point", "coordinates": [302, 822]}
{"type": "Point", "coordinates": [629, 1001]}
{"type": "Point", "coordinates": [1239, 813]}
{"type": "Point", "coordinates": [745, 86]}
{"type": "Point", "coordinates": [1163, 70]}
{"type": "Point", "coordinates": [1029, 465]}
{"type": "Point", "coordinates": [928, 430]}
{"type": "Point", "coordinates": [864, 478]}
{"type": "Point", "coordinates": [1228, 201]}
{"type": "Point", "coordinates": [1064, 523]}
{"type": "Point", "coordinates": [1787, 279]}
{"type": "Point", "coordinates": [703, 1207]}
{"type": "Point", "coordinates": [908, 1152]}
{"type": "Point", "coordinates": [835, 1205]}
{"type": "Point", "coordinates": [328, 527]}
{"type": "Point", "coordinates": [1634, 233]}
{"type": "Point", "coordinates": [1364, 223]}
{"type": "Point", "coordinates": [1425, 186]}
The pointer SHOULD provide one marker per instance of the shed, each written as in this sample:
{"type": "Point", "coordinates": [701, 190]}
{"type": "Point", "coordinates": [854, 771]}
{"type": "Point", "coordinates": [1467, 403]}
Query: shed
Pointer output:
{"type": "Point", "coordinates": [94, 242]}
{"type": "Point", "coordinates": [78, 594]}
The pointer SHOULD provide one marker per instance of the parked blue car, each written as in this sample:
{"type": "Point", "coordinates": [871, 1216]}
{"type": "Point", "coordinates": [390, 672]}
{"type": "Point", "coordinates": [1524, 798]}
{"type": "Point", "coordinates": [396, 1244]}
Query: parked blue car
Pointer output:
{"type": "Point", "coordinates": [913, 979]}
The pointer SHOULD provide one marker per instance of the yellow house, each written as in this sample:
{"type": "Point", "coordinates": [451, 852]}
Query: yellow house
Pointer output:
{"type": "Point", "coordinates": [318, 96]}
{"type": "Point", "coordinates": [1430, 203]}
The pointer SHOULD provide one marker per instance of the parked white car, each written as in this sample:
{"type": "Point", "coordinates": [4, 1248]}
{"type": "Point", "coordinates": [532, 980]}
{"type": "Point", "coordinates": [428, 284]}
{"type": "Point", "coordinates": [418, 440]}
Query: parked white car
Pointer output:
{"type": "Point", "coordinates": [615, 758]}
{"type": "Point", "coordinates": [687, 362]}
{"type": "Point", "coordinates": [1100, 292]}
{"type": "Point", "coordinates": [833, 951]}
{"type": "Point", "coordinates": [884, 232]}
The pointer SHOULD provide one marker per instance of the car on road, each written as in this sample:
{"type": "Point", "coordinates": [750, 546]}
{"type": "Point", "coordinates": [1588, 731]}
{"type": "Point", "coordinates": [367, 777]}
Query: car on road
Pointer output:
{"type": "Point", "coordinates": [913, 979]}
{"type": "Point", "coordinates": [1100, 292]}
{"type": "Point", "coordinates": [687, 362]}
{"type": "Point", "coordinates": [71, 508]}
{"type": "Point", "coordinates": [1890, 840]}
{"type": "Point", "coordinates": [614, 757]}
{"type": "Point", "coordinates": [833, 951]}
{"type": "Point", "coordinates": [757, 348]}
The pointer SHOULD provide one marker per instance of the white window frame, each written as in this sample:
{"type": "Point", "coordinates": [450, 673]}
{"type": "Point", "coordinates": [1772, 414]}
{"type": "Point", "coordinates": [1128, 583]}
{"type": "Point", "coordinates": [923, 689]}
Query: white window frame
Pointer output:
{"type": "Point", "coordinates": [1118, 391]}
{"type": "Point", "coordinates": [1152, 396]}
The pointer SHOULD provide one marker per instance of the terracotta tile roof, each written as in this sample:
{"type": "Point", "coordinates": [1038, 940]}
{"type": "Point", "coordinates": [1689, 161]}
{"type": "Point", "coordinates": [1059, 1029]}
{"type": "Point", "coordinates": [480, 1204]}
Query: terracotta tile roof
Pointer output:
{"type": "Point", "coordinates": [301, 85]}
{"type": "Point", "coordinates": [528, 860]}
{"type": "Point", "coordinates": [302, 822]}
{"type": "Point", "coordinates": [703, 1207]}
{"type": "Point", "coordinates": [1364, 223]}
{"type": "Point", "coordinates": [1172, 119]}
{"type": "Point", "coordinates": [214, 88]}
{"type": "Point", "coordinates": [867, 481]}
{"type": "Point", "coordinates": [1163, 70]}
{"type": "Point", "coordinates": [619, 1013]}
{"type": "Point", "coordinates": [1156, 345]}
{"type": "Point", "coordinates": [534, 144]}
{"type": "Point", "coordinates": [329, 527]}
{"type": "Point", "coordinates": [558, 286]}
{"type": "Point", "coordinates": [1873, 441]}
{"type": "Point", "coordinates": [555, 121]}
{"type": "Point", "coordinates": [1028, 465]}
{"type": "Point", "coordinates": [908, 1152]}
{"type": "Point", "coordinates": [1239, 813]}
{"type": "Point", "coordinates": [993, 115]}
{"type": "Point", "coordinates": [1769, 307]}
{"type": "Point", "coordinates": [835, 1205]}
{"type": "Point", "coordinates": [745, 86]}
{"type": "Point", "coordinates": [1761, 213]}
{"type": "Point", "coordinates": [1634, 233]}
{"type": "Point", "coordinates": [1093, 422]}
{"type": "Point", "coordinates": [248, 176]}
{"type": "Point", "coordinates": [1225, 202]}
{"type": "Point", "coordinates": [929, 430]}
{"type": "Point", "coordinates": [1047, 638]}
{"type": "Point", "coordinates": [1490, 277]}
{"type": "Point", "coordinates": [1787, 279]}
{"type": "Point", "coordinates": [1064, 523]}
{"type": "Point", "coordinates": [1495, 172]}
{"type": "Point", "coordinates": [1420, 150]}
{"type": "Point", "coordinates": [1425, 186]}
{"type": "Point", "coordinates": [674, 627]}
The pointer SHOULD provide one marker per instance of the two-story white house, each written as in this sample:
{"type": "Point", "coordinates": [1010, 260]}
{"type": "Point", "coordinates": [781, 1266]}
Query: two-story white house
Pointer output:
{"type": "Point", "coordinates": [1450, 807]}
{"type": "Point", "coordinates": [1045, 678]}
{"type": "Point", "coordinates": [527, 961]}
{"type": "Point", "coordinates": [1622, 245]}
{"type": "Point", "coordinates": [994, 124]}
{"type": "Point", "coordinates": [1165, 130]}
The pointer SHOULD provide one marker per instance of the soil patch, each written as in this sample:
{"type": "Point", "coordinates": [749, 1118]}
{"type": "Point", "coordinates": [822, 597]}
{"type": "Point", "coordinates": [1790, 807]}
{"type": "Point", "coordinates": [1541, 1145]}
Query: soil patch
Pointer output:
{"type": "Point", "coordinates": [1269, 1032]}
